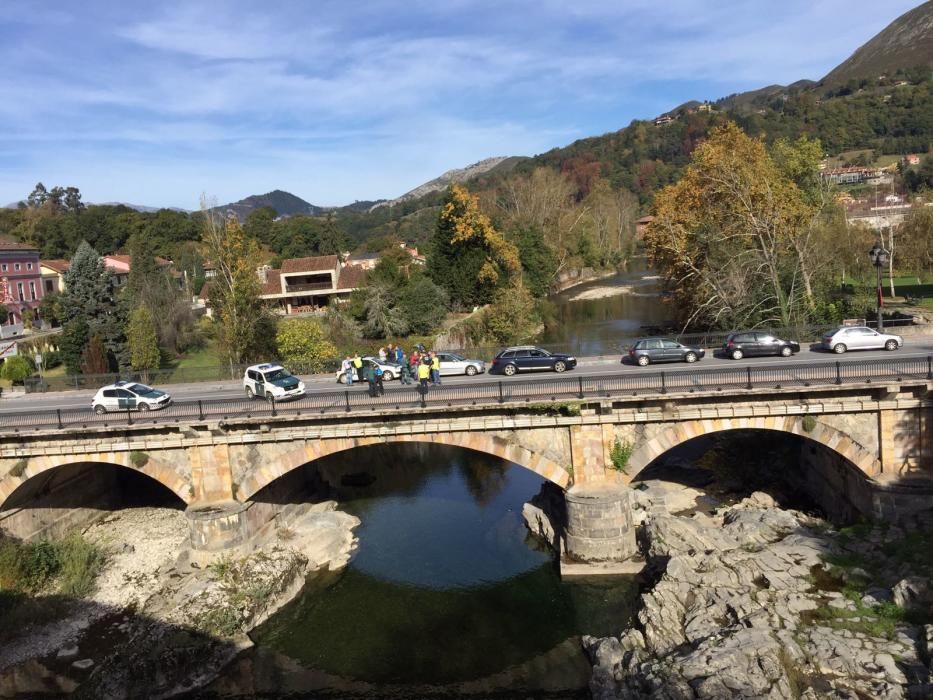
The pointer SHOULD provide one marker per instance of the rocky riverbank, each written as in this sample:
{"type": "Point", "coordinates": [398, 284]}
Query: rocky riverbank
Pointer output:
{"type": "Point", "coordinates": [754, 600]}
{"type": "Point", "coordinates": [158, 623]}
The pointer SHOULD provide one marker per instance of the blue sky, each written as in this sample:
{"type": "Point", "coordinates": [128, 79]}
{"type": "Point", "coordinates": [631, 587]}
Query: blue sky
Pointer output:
{"type": "Point", "coordinates": [154, 103]}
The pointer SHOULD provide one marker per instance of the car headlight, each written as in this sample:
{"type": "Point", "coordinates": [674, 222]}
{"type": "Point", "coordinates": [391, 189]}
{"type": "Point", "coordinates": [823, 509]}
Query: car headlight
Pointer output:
{"type": "Point", "coordinates": [301, 386]}
{"type": "Point", "coordinates": [571, 359]}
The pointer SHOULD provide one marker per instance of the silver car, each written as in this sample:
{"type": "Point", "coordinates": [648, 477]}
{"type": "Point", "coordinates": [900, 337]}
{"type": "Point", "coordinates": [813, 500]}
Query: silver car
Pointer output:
{"type": "Point", "coordinates": [845, 338]}
{"type": "Point", "coordinates": [456, 364]}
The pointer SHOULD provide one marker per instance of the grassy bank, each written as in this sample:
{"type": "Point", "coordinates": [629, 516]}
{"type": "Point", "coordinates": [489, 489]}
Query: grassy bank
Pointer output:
{"type": "Point", "coordinates": [30, 570]}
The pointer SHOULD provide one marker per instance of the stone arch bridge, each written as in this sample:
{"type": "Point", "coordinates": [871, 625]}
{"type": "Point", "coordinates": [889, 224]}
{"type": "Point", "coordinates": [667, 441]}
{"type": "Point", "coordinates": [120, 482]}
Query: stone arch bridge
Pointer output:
{"type": "Point", "coordinates": [875, 437]}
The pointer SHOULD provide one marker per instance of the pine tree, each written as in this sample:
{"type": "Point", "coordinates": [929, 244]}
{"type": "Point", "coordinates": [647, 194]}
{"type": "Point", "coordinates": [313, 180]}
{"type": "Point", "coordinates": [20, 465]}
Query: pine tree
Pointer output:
{"type": "Point", "coordinates": [94, 359]}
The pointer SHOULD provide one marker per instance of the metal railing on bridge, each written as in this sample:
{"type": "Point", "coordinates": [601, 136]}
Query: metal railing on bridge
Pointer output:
{"type": "Point", "coordinates": [553, 388]}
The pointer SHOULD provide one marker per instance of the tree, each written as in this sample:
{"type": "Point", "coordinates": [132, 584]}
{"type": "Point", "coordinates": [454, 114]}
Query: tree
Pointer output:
{"type": "Point", "coordinates": [511, 317]}
{"type": "Point", "coordinates": [74, 339]}
{"type": "Point", "coordinates": [4, 313]}
{"type": "Point", "coordinates": [916, 238]}
{"type": "Point", "coordinates": [382, 317]}
{"type": "Point", "coordinates": [302, 342]}
{"type": "Point", "coordinates": [17, 368]}
{"type": "Point", "coordinates": [259, 224]}
{"type": "Point", "coordinates": [89, 296]}
{"type": "Point", "coordinates": [470, 258]}
{"type": "Point", "coordinates": [423, 305]}
{"type": "Point", "coordinates": [723, 236]}
{"type": "Point", "coordinates": [235, 288]}
{"type": "Point", "coordinates": [94, 358]}
{"type": "Point", "coordinates": [142, 340]}
{"type": "Point", "coordinates": [51, 309]}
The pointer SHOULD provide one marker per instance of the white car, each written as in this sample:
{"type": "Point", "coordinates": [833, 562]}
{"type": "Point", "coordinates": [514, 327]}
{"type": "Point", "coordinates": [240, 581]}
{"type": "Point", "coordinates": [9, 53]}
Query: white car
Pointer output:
{"type": "Point", "coordinates": [845, 338]}
{"type": "Point", "coordinates": [272, 382]}
{"type": "Point", "coordinates": [390, 370]}
{"type": "Point", "coordinates": [129, 396]}
{"type": "Point", "coordinates": [452, 363]}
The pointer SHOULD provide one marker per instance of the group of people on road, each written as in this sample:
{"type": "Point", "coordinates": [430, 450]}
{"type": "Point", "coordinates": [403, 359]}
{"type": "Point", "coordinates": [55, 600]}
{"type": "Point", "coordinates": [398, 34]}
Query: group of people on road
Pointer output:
{"type": "Point", "coordinates": [420, 365]}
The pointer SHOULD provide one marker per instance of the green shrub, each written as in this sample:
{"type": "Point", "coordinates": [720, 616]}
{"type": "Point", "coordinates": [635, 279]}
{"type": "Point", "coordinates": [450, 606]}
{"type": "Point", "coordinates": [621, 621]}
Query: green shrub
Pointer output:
{"type": "Point", "coordinates": [620, 454]}
{"type": "Point", "coordinates": [79, 564]}
{"type": "Point", "coordinates": [808, 424]}
{"type": "Point", "coordinates": [139, 459]}
{"type": "Point", "coordinates": [19, 468]}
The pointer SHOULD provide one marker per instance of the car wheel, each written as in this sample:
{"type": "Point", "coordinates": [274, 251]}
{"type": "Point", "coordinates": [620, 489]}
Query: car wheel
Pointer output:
{"type": "Point", "coordinates": [643, 360]}
{"type": "Point", "coordinates": [99, 410]}
{"type": "Point", "coordinates": [270, 397]}
{"type": "Point", "coordinates": [249, 394]}
{"type": "Point", "coordinates": [690, 357]}
{"type": "Point", "coordinates": [387, 376]}
{"type": "Point", "coordinates": [786, 351]}
{"type": "Point", "coordinates": [470, 371]}
{"type": "Point", "coordinates": [559, 366]}
{"type": "Point", "coordinates": [839, 348]}
{"type": "Point", "coordinates": [342, 379]}
{"type": "Point", "coordinates": [510, 370]}
{"type": "Point", "coordinates": [890, 345]}
{"type": "Point", "coordinates": [737, 354]}
{"type": "Point", "coordinates": [143, 407]}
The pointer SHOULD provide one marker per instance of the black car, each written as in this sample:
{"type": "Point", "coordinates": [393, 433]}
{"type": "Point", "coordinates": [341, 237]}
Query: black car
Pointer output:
{"type": "Point", "coordinates": [756, 343]}
{"type": "Point", "coordinates": [527, 358]}
{"type": "Point", "coordinates": [647, 350]}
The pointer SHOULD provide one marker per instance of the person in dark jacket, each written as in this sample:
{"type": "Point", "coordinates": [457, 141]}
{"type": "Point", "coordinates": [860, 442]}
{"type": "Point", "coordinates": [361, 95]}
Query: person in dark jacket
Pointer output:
{"type": "Point", "coordinates": [370, 378]}
{"type": "Point", "coordinates": [377, 373]}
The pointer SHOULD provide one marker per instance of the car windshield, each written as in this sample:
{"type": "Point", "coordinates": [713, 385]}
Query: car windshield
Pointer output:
{"type": "Point", "coordinates": [138, 388]}
{"type": "Point", "coordinates": [277, 374]}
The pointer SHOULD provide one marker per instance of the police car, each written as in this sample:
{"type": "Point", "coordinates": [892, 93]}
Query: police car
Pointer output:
{"type": "Point", "coordinates": [129, 396]}
{"type": "Point", "coordinates": [273, 382]}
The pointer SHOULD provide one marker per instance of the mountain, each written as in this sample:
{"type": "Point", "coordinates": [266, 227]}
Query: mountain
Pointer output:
{"type": "Point", "coordinates": [284, 203]}
{"type": "Point", "coordinates": [905, 43]}
{"type": "Point", "coordinates": [451, 176]}
{"type": "Point", "coordinates": [141, 207]}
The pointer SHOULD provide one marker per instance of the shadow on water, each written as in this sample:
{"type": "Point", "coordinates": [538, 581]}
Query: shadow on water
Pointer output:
{"type": "Point", "coordinates": [447, 592]}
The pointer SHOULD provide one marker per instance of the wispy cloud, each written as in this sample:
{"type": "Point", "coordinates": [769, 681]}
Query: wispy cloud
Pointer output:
{"type": "Point", "coordinates": [340, 101]}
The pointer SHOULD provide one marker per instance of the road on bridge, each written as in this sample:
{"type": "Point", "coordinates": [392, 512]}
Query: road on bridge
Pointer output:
{"type": "Point", "coordinates": [212, 390]}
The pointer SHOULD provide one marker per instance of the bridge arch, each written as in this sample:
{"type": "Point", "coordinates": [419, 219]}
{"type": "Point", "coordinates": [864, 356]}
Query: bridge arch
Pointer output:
{"type": "Point", "coordinates": [153, 468]}
{"type": "Point", "coordinates": [261, 476]}
{"type": "Point", "coordinates": [837, 441]}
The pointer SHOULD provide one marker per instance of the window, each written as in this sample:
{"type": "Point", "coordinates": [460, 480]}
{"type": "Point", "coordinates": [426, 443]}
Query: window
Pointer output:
{"type": "Point", "coordinates": [124, 394]}
{"type": "Point", "coordinates": [19, 290]}
{"type": "Point", "coordinates": [652, 344]}
{"type": "Point", "coordinates": [32, 290]}
{"type": "Point", "coordinates": [28, 266]}
{"type": "Point", "coordinates": [537, 353]}
{"type": "Point", "coordinates": [4, 267]}
{"type": "Point", "coordinates": [522, 353]}
{"type": "Point", "coordinates": [16, 267]}
{"type": "Point", "coordinates": [49, 287]}
{"type": "Point", "coordinates": [670, 344]}
{"type": "Point", "coordinates": [110, 393]}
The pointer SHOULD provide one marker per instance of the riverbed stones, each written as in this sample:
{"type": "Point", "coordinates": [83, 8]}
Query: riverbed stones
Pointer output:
{"type": "Point", "coordinates": [740, 609]}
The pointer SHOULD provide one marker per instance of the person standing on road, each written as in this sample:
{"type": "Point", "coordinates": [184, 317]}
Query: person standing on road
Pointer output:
{"type": "Point", "coordinates": [370, 379]}
{"type": "Point", "coordinates": [357, 363]}
{"type": "Point", "coordinates": [382, 354]}
{"type": "Point", "coordinates": [424, 371]}
{"type": "Point", "coordinates": [399, 355]}
{"type": "Point", "coordinates": [435, 369]}
{"type": "Point", "coordinates": [347, 367]}
{"type": "Point", "coordinates": [406, 369]}
{"type": "Point", "coordinates": [377, 371]}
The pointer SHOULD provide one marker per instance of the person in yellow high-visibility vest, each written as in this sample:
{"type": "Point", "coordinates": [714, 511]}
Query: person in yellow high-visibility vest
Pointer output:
{"type": "Point", "coordinates": [435, 368]}
{"type": "Point", "coordinates": [424, 371]}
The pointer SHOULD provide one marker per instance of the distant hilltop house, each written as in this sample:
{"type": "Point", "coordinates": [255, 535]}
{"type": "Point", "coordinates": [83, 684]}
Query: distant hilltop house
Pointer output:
{"type": "Point", "coordinates": [851, 176]}
{"type": "Point", "coordinates": [663, 119]}
{"type": "Point", "coordinates": [912, 159]}
{"type": "Point", "coordinates": [641, 226]}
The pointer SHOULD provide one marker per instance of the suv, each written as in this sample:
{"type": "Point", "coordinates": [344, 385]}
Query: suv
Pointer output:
{"type": "Point", "coordinates": [527, 357]}
{"type": "Point", "coordinates": [129, 396]}
{"type": "Point", "coordinates": [751, 343]}
{"type": "Point", "coordinates": [859, 338]}
{"type": "Point", "coordinates": [644, 351]}
{"type": "Point", "coordinates": [272, 382]}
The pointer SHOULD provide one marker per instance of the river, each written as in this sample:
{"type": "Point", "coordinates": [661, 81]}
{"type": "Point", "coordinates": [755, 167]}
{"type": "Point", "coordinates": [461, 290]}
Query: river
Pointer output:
{"type": "Point", "coordinates": [447, 593]}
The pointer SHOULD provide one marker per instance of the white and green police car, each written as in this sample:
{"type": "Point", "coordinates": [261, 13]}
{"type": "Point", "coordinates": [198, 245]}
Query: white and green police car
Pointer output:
{"type": "Point", "coordinates": [272, 382]}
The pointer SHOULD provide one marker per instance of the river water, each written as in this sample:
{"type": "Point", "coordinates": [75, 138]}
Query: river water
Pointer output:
{"type": "Point", "coordinates": [447, 594]}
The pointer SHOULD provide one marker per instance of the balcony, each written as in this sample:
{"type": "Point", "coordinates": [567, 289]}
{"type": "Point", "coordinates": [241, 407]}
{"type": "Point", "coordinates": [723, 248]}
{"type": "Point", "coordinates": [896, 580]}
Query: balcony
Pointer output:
{"type": "Point", "coordinates": [308, 287]}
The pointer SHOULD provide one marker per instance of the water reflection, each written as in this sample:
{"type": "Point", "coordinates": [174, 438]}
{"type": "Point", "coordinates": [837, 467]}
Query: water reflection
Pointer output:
{"type": "Point", "coordinates": [446, 587]}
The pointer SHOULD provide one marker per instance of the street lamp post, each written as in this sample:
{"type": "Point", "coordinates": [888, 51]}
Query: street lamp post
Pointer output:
{"type": "Point", "coordinates": [879, 258]}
